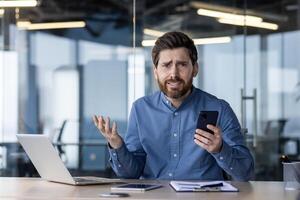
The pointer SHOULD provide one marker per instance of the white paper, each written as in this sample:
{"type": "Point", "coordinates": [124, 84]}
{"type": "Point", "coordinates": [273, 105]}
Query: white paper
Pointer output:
{"type": "Point", "coordinates": [192, 186]}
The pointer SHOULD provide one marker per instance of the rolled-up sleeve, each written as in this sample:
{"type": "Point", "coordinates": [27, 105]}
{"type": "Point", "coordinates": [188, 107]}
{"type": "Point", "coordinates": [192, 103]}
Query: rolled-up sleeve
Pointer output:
{"type": "Point", "coordinates": [128, 161]}
{"type": "Point", "coordinates": [234, 157]}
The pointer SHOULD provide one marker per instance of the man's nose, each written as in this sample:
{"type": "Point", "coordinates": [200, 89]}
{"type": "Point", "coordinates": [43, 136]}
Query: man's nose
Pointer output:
{"type": "Point", "coordinates": [174, 71]}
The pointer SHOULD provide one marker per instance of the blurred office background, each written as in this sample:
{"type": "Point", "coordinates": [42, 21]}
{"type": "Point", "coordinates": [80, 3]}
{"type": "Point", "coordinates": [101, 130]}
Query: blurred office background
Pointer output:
{"type": "Point", "coordinates": [54, 79]}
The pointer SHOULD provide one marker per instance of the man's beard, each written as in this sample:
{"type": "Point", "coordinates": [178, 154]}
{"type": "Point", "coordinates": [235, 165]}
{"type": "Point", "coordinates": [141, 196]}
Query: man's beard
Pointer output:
{"type": "Point", "coordinates": [175, 93]}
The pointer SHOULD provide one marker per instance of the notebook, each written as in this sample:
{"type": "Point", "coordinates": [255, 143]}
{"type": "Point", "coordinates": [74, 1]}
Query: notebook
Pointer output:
{"type": "Point", "coordinates": [208, 186]}
{"type": "Point", "coordinates": [49, 165]}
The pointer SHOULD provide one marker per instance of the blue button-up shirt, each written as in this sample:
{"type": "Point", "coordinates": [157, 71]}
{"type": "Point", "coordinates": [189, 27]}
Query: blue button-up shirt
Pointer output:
{"type": "Point", "coordinates": [159, 143]}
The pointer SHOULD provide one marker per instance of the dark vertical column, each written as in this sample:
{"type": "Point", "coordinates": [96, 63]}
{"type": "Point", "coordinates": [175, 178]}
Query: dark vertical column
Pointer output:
{"type": "Point", "coordinates": [264, 80]}
{"type": "Point", "coordinates": [139, 26]}
{"type": "Point", "coordinates": [298, 15]}
{"type": "Point", "coordinates": [298, 27]}
{"type": "Point", "coordinates": [8, 18]}
{"type": "Point", "coordinates": [81, 104]}
{"type": "Point", "coordinates": [31, 110]}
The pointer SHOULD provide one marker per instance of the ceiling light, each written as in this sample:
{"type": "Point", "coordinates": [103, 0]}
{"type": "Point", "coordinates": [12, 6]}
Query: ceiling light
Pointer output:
{"type": "Point", "coordinates": [1, 12]}
{"type": "Point", "coordinates": [21, 3]}
{"type": "Point", "coordinates": [233, 10]}
{"type": "Point", "coordinates": [212, 40]}
{"type": "Point", "coordinates": [50, 25]}
{"type": "Point", "coordinates": [238, 20]}
{"type": "Point", "coordinates": [264, 25]}
{"type": "Point", "coordinates": [198, 41]}
{"type": "Point", "coordinates": [226, 15]}
{"type": "Point", "coordinates": [23, 24]}
{"type": "Point", "coordinates": [152, 32]}
{"type": "Point", "coordinates": [148, 43]}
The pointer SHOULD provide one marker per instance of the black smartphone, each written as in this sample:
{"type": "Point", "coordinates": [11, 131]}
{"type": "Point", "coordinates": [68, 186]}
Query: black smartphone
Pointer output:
{"type": "Point", "coordinates": [205, 118]}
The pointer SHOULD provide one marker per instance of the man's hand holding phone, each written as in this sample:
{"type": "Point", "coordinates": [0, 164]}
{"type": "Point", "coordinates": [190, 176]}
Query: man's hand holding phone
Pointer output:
{"type": "Point", "coordinates": [109, 133]}
{"type": "Point", "coordinates": [207, 134]}
{"type": "Point", "coordinates": [210, 142]}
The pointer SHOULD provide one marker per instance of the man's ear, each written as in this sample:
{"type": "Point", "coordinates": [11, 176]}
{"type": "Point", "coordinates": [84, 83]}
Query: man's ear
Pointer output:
{"type": "Point", "coordinates": [155, 72]}
{"type": "Point", "coordinates": [195, 69]}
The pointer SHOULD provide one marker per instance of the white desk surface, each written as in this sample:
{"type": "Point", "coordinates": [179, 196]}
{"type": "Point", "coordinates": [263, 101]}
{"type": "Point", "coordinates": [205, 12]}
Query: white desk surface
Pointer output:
{"type": "Point", "coordinates": [36, 188]}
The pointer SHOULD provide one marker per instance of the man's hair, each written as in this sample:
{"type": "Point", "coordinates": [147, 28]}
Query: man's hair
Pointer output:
{"type": "Point", "coordinates": [172, 40]}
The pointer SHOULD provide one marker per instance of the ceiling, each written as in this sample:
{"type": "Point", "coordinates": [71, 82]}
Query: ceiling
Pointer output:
{"type": "Point", "coordinates": [164, 14]}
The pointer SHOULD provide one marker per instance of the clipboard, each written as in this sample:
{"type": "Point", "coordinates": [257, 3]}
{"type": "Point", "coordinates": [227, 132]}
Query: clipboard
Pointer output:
{"type": "Point", "coordinates": [208, 186]}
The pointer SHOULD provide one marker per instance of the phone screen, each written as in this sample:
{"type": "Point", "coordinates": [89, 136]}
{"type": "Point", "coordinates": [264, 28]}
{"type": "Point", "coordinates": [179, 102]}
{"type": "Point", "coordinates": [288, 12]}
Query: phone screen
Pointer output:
{"type": "Point", "coordinates": [139, 186]}
{"type": "Point", "coordinates": [205, 118]}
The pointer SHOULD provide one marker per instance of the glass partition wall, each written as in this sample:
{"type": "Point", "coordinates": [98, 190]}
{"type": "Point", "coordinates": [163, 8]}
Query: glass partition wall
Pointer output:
{"type": "Point", "coordinates": [54, 79]}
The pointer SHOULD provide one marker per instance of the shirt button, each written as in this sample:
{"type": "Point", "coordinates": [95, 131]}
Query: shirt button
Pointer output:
{"type": "Point", "coordinates": [175, 134]}
{"type": "Point", "coordinates": [175, 155]}
{"type": "Point", "coordinates": [221, 158]}
{"type": "Point", "coordinates": [167, 101]}
{"type": "Point", "coordinates": [119, 166]}
{"type": "Point", "coordinates": [114, 154]}
{"type": "Point", "coordinates": [170, 174]}
{"type": "Point", "coordinates": [176, 113]}
{"type": "Point", "coordinates": [231, 168]}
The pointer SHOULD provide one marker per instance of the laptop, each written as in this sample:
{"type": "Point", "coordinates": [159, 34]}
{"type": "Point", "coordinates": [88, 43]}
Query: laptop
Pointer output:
{"type": "Point", "coordinates": [49, 165]}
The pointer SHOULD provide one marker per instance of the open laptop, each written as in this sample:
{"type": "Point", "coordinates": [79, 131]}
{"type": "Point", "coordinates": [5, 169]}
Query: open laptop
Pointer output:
{"type": "Point", "coordinates": [49, 165]}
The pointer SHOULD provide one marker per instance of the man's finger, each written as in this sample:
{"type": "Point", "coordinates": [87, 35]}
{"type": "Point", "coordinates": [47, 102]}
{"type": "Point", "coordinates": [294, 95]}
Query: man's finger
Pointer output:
{"type": "Point", "coordinates": [100, 124]}
{"type": "Point", "coordinates": [114, 128]}
{"type": "Point", "coordinates": [107, 128]}
{"type": "Point", "coordinates": [204, 146]}
{"type": "Point", "coordinates": [95, 120]}
{"type": "Point", "coordinates": [203, 139]}
{"type": "Point", "coordinates": [213, 128]}
{"type": "Point", "coordinates": [205, 134]}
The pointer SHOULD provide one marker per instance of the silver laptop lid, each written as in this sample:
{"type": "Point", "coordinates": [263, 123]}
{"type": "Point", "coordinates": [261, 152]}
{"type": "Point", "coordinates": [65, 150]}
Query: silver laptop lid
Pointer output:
{"type": "Point", "coordinates": [45, 158]}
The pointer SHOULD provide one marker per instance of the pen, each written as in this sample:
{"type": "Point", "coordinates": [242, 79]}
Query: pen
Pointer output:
{"type": "Point", "coordinates": [212, 185]}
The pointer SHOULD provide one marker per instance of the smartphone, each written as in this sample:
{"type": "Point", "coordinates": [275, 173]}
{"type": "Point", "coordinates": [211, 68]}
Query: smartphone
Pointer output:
{"type": "Point", "coordinates": [114, 194]}
{"type": "Point", "coordinates": [205, 118]}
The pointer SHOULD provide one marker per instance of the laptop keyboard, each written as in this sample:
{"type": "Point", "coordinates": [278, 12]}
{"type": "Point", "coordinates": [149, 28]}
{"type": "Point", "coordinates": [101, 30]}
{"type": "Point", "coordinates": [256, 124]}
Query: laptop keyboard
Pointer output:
{"type": "Point", "coordinates": [91, 179]}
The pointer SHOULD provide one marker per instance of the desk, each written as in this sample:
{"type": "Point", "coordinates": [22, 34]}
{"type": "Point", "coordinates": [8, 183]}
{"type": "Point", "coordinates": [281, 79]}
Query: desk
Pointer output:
{"type": "Point", "coordinates": [36, 188]}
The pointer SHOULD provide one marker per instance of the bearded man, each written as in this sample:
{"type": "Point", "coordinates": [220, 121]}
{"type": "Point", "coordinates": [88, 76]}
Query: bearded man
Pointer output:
{"type": "Point", "coordinates": [162, 141]}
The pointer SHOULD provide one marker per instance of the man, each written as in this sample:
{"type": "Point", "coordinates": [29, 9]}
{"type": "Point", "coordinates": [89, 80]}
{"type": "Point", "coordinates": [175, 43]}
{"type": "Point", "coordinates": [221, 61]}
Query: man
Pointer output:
{"type": "Point", "coordinates": [162, 141]}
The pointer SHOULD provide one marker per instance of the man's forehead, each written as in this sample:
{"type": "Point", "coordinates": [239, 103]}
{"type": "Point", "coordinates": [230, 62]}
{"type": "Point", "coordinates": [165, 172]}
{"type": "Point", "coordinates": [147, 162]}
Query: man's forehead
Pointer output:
{"type": "Point", "coordinates": [177, 53]}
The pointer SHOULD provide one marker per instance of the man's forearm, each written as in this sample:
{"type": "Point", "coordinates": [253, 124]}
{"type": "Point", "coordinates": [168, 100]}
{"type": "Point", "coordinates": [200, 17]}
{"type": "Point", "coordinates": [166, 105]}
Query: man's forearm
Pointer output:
{"type": "Point", "coordinates": [127, 164]}
{"type": "Point", "coordinates": [236, 161]}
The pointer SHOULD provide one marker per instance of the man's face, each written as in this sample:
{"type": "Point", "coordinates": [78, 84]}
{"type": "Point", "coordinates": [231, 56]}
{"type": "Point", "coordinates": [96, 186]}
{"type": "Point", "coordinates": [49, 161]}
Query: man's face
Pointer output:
{"type": "Point", "coordinates": [174, 72]}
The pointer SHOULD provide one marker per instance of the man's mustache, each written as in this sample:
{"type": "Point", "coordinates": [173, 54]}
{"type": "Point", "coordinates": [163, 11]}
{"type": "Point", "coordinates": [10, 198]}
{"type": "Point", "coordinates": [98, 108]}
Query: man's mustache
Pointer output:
{"type": "Point", "coordinates": [175, 79]}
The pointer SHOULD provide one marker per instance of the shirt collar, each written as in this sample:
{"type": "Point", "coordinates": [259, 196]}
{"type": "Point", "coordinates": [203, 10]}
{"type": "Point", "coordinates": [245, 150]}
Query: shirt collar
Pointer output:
{"type": "Point", "coordinates": [185, 101]}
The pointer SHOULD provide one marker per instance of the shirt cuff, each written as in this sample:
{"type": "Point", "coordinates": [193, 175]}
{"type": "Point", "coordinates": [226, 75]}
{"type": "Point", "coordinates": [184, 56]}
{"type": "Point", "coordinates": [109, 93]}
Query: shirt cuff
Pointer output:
{"type": "Point", "coordinates": [224, 154]}
{"type": "Point", "coordinates": [117, 153]}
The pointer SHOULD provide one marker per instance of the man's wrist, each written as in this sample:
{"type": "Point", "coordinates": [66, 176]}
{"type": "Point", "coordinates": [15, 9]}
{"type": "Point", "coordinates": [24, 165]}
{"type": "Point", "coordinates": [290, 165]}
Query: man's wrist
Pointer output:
{"type": "Point", "coordinates": [115, 146]}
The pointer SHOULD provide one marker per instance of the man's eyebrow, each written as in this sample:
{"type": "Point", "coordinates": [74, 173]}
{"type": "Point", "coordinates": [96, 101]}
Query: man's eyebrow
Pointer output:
{"type": "Point", "coordinates": [182, 61]}
{"type": "Point", "coordinates": [165, 62]}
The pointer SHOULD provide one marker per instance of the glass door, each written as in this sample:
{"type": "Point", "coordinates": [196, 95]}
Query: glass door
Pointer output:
{"type": "Point", "coordinates": [270, 96]}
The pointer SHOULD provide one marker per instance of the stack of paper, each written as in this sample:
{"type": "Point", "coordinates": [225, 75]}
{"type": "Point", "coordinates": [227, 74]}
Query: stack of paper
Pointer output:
{"type": "Point", "coordinates": [208, 186]}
